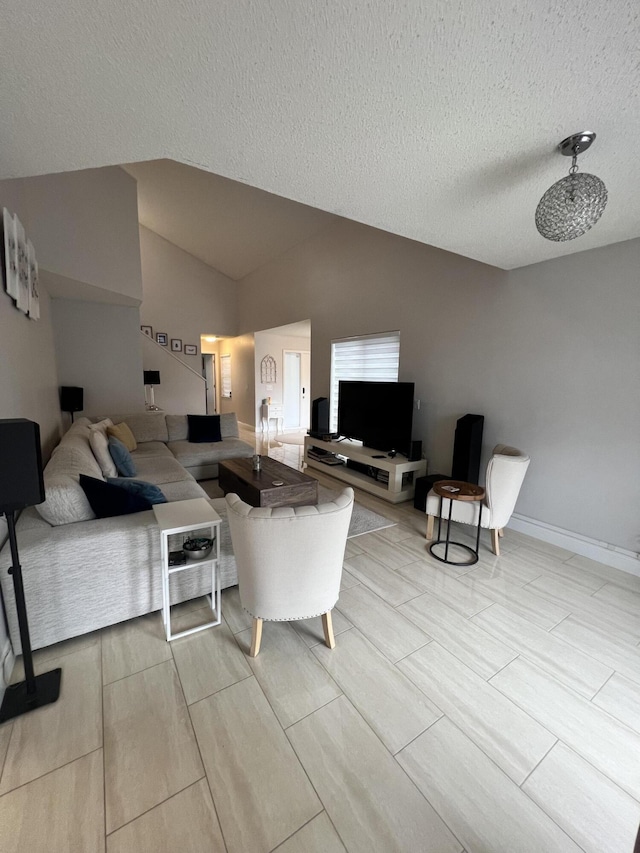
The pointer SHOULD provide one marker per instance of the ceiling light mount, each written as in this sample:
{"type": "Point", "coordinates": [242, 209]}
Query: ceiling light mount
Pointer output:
{"type": "Point", "coordinates": [575, 203]}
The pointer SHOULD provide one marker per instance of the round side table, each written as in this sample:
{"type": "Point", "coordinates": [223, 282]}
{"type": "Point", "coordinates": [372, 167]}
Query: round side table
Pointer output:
{"type": "Point", "coordinates": [456, 490]}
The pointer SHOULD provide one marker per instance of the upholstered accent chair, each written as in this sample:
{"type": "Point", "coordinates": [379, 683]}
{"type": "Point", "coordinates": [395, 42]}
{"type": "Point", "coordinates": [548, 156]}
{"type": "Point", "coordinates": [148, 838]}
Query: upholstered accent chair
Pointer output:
{"type": "Point", "coordinates": [289, 560]}
{"type": "Point", "coordinates": [503, 480]}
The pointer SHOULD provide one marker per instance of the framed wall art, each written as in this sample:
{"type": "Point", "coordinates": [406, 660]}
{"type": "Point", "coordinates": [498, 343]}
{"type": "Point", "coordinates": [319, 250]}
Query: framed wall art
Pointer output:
{"type": "Point", "coordinates": [10, 254]}
{"type": "Point", "coordinates": [190, 349]}
{"type": "Point", "coordinates": [147, 330]}
{"type": "Point", "coordinates": [34, 286]}
{"type": "Point", "coordinates": [176, 345]}
{"type": "Point", "coordinates": [162, 338]}
{"type": "Point", "coordinates": [22, 302]}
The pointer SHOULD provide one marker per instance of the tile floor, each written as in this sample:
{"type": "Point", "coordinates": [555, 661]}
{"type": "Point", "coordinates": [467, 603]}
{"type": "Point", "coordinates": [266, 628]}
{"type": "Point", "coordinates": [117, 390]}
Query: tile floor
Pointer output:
{"type": "Point", "coordinates": [485, 709]}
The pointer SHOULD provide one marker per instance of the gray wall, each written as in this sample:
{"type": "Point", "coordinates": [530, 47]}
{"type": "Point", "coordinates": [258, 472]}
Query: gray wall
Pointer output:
{"type": "Point", "coordinates": [98, 347]}
{"type": "Point", "coordinates": [184, 297]}
{"type": "Point", "coordinates": [243, 378]}
{"type": "Point", "coordinates": [535, 350]}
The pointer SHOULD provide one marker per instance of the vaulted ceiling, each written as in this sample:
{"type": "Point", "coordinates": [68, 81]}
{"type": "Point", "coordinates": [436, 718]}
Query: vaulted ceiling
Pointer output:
{"type": "Point", "coordinates": [433, 120]}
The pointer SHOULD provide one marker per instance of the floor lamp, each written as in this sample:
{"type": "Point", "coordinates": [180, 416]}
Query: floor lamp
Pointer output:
{"type": "Point", "coordinates": [21, 485]}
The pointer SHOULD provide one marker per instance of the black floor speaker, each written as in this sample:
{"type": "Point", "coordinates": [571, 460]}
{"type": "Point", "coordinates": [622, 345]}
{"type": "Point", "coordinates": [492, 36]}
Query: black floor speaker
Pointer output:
{"type": "Point", "coordinates": [320, 416]}
{"type": "Point", "coordinates": [467, 449]}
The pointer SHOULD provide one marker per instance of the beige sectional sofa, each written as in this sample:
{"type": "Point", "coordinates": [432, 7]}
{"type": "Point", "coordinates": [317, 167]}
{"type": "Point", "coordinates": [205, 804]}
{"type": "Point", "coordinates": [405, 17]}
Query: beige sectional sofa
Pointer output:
{"type": "Point", "coordinates": [82, 573]}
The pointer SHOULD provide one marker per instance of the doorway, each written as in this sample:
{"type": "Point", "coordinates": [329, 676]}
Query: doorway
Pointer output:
{"type": "Point", "coordinates": [295, 389]}
{"type": "Point", "coordinates": [209, 373]}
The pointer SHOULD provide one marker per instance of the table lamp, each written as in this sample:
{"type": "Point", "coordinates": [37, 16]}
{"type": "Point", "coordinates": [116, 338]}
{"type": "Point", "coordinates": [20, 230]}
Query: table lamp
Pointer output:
{"type": "Point", "coordinates": [151, 378]}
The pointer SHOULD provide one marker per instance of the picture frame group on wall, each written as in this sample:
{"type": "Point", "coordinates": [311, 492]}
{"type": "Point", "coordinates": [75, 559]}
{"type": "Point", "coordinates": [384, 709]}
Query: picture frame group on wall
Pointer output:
{"type": "Point", "coordinates": [20, 267]}
{"type": "Point", "coordinates": [147, 330]}
{"type": "Point", "coordinates": [190, 349]}
{"type": "Point", "coordinates": [162, 338]}
{"type": "Point", "coordinates": [176, 345]}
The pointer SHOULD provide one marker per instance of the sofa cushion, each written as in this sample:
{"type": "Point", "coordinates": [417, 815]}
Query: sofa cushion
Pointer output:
{"type": "Point", "coordinates": [66, 502]}
{"type": "Point", "coordinates": [108, 500]}
{"type": "Point", "coordinates": [148, 491]}
{"type": "Point", "coordinates": [177, 427]}
{"type": "Point", "coordinates": [159, 470]}
{"type": "Point", "coordinates": [145, 426]}
{"type": "Point", "coordinates": [229, 425]}
{"type": "Point", "coordinates": [121, 457]}
{"type": "Point", "coordinates": [204, 428]}
{"type": "Point", "coordinates": [149, 449]}
{"type": "Point", "coordinates": [123, 433]}
{"type": "Point", "coordinates": [99, 445]}
{"type": "Point", "coordinates": [183, 490]}
{"type": "Point", "coordinates": [191, 455]}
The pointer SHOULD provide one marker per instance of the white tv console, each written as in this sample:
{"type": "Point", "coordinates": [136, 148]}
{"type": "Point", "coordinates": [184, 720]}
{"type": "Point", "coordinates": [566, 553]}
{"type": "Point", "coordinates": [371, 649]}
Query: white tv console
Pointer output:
{"type": "Point", "coordinates": [393, 491]}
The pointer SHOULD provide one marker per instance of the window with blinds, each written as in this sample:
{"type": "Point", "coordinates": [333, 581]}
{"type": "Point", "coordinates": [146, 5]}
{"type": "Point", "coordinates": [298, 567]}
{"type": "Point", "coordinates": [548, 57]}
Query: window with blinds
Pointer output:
{"type": "Point", "coordinates": [225, 375]}
{"type": "Point", "coordinates": [370, 358]}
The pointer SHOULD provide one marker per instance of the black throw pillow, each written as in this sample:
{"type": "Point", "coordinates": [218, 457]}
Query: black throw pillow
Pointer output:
{"type": "Point", "coordinates": [107, 500]}
{"type": "Point", "coordinates": [204, 428]}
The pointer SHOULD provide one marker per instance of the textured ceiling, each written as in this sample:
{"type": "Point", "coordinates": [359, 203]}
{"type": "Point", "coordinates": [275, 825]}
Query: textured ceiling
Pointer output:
{"type": "Point", "coordinates": [230, 226]}
{"type": "Point", "coordinates": [434, 120]}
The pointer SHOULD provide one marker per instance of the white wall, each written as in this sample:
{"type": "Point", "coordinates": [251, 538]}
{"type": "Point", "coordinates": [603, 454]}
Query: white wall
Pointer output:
{"type": "Point", "coordinates": [99, 348]}
{"type": "Point", "coordinates": [182, 296]}
{"type": "Point", "coordinates": [274, 344]}
{"type": "Point", "coordinates": [181, 391]}
{"type": "Point", "coordinates": [243, 386]}
{"type": "Point", "coordinates": [548, 354]}
{"type": "Point", "coordinates": [84, 226]}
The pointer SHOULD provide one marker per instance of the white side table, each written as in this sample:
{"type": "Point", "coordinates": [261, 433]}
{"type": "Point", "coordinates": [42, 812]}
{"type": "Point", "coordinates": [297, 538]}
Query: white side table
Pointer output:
{"type": "Point", "coordinates": [275, 411]}
{"type": "Point", "coordinates": [182, 517]}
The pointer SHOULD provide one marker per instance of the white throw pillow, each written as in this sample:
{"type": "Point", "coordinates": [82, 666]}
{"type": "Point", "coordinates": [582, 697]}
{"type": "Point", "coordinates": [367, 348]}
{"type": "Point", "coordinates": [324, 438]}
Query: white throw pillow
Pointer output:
{"type": "Point", "coordinates": [101, 426]}
{"type": "Point", "coordinates": [100, 445]}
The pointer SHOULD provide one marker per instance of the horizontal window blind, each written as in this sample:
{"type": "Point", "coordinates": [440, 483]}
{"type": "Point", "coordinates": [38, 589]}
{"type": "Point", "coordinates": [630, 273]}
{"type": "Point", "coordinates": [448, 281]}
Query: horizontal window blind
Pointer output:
{"type": "Point", "coordinates": [370, 358]}
{"type": "Point", "coordinates": [225, 375]}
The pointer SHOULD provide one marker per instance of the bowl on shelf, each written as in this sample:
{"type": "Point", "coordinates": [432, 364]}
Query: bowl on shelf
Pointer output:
{"type": "Point", "coordinates": [197, 549]}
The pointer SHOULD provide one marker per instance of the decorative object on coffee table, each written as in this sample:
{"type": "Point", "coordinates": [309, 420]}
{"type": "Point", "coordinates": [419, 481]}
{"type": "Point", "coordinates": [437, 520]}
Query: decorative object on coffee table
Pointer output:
{"type": "Point", "coordinates": [257, 487]}
{"type": "Point", "coordinates": [181, 517]}
{"type": "Point", "coordinates": [289, 561]}
{"type": "Point", "coordinates": [21, 486]}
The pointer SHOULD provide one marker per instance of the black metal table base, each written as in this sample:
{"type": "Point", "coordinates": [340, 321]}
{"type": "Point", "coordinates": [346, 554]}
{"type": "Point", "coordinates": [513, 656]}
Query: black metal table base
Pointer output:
{"type": "Point", "coordinates": [447, 542]}
{"type": "Point", "coordinates": [18, 700]}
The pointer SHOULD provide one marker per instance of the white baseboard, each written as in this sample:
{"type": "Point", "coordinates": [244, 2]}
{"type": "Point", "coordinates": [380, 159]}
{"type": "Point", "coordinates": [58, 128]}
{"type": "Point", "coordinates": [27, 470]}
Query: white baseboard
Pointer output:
{"type": "Point", "coordinates": [602, 552]}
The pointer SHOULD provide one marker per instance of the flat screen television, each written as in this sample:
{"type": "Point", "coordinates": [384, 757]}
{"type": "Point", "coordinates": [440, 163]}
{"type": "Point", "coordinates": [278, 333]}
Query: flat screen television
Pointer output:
{"type": "Point", "coordinates": [379, 414]}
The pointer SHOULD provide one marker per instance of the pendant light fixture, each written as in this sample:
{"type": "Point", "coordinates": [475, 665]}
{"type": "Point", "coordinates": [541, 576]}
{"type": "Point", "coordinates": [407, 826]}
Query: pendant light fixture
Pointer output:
{"type": "Point", "coordinates": [573, 204]}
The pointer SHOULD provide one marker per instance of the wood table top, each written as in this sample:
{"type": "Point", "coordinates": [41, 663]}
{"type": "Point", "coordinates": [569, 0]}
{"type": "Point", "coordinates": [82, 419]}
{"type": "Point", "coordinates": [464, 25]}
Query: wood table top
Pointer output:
{"type": "Point", "coordinates": [270, 470]}
{"type": "Point", "coordinates": [458, 490]}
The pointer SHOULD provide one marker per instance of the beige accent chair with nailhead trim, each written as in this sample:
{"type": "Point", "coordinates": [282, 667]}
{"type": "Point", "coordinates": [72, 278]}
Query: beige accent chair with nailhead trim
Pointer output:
{"type": "Point", "coordinates": [289, 560]}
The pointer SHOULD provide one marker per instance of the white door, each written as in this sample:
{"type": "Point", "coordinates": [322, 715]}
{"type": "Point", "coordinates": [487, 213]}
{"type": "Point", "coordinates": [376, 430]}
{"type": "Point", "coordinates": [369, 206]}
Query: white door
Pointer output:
{"type": "Point", "coordinates": [291, 389]}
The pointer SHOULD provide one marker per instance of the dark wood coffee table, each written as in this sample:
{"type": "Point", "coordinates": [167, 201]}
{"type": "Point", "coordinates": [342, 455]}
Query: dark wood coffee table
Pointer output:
{"type": "Point", "coordinates": [256, 487]}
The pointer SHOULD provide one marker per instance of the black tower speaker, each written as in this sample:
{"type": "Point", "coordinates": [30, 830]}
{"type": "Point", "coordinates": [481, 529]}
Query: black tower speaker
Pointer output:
{"type": "Point", "coordinates": [71, 398]}
{"type": "Point", "coordinates": [320, 416]}
{"type": "Point", "coordinates": [467, 448]}
{"type": "Point", "coordinates": [21, 483]}
{"type": "Point", "coordinates": [415, 451]}
{"type": "Point", "coordinates": [21, 486]}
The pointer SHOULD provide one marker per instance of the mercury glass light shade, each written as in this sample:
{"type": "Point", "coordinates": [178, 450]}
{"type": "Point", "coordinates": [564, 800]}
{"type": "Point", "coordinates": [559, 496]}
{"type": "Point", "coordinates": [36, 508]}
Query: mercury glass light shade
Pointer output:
{"type": "Point", "coordinates": [575, 203]}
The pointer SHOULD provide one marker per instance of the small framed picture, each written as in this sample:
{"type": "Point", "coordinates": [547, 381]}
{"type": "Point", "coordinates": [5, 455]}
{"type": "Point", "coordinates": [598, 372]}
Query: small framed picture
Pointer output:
{"type": "Point", "coordinates": [190, 349]}
{"type": "Point", "coordinates": [176, 345]}
{"type": "Point", "coordinates": [148, 331]}
{"type": "Point", "coordinates": [162, 338]}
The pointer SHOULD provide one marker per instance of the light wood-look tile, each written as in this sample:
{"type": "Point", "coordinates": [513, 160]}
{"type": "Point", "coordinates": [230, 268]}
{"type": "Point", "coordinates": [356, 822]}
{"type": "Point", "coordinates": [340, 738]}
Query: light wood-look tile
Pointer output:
{"type": "Point", "coordinates": [260, 791]}
{"type": "Point", "coordinates": [595, 812]}
{"type": "Point", "coordinates": [390, 554]}
{"type": "Point", "coordinates": [236, 617]}
{"type": "Point", "coordinates": [397, 533]}
{"type": "Point", "coordinates": [310, 630]}
{"type": "Point", "coordinates": [132, 646]}
{"type": "Point", "coordinates": [385, 582]}
{"type": "Point", "coordinates": [625, 599]}
{"type": "Point", "coordinates": [5, 737]}
{"type": "Point", "coordinates": [621, 698]}
{"type": "Point", "coordinates": [186, 822]}
{"type": "Point", "coordinates": [549, 565]}
{"type": "Point", "coordinates": [607, 573]}
{"type": "Point", "coordinates": [146, 763]}
{"type": "Point", "coordinates": [49, 737]}
{"type": "Point", "coordinates": [511, 567]}
{"type": "Point", "coordinates": [318, 836]}
{"type": "Point", "coordinates": [624, 625]}
{"type": "Point", "coordinates": [62, 811]}
{"type": "Point", "coordinates": [347, 580]}
{"type": "Point", "coordinates": [372, 804]}
{"type": "Point", "coordinates": [389, 631]}
{"type": "Point", "coordinates": [394, 707]}
{"type": "Point", "coordinates": [597, 641]}
{"type": "Point", "coordinates": [461, 597]}
{"type": "Point", "coordinates": [418, 548]}
{"type": "Point", "coordinates": [207, 660]}
{"type": "Point", "coordinates": [352, 548]}
{"type": "Point", "coordinates": [606, 743]}
{"type": "Point", "coordinates": [513, 739]}
{"type": "Point", "coordinates": [464, 639]}
{"type": "Point", "coordinates": [56, 651]}
{"type": "Point", "coordinates": [483, 807]}
{"type": "Point", "coordinates": [292, 679]}
{"type": "Point", "coordinates": [538, 609]}
{"type": "Point", "coordinates": [570, 666]}
{"type": "Point", "coordinates": [514, 537]}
